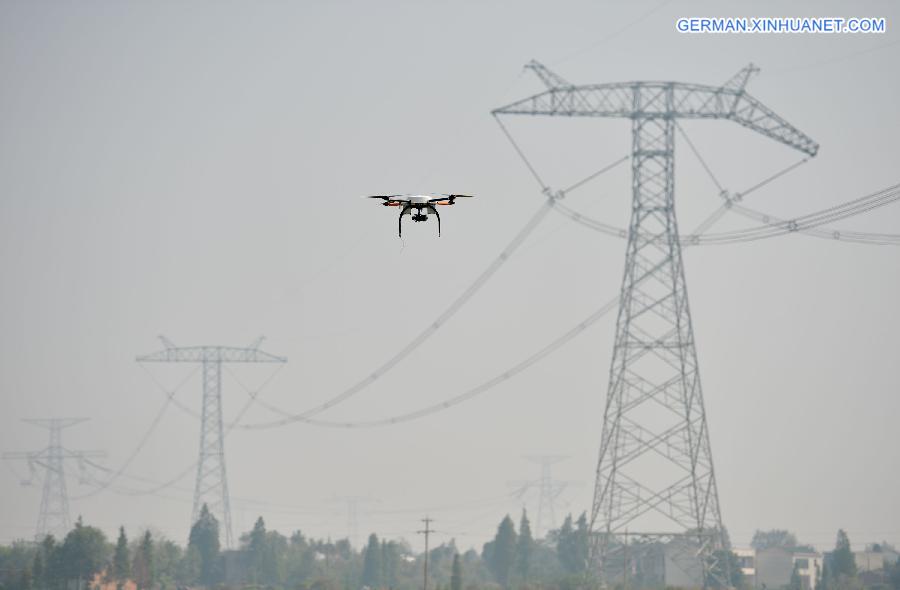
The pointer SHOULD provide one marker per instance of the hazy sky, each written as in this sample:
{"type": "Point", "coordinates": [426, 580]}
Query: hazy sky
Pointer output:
{"type": "Point", "coordinates": [193, 170]}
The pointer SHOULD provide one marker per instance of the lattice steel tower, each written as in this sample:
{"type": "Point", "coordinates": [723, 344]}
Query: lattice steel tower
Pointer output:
{"type": "Point", "coordinates": [53, 518]}
{"type": "Point", "coordinates": [655, 482]}
{"type": "Point", "coordinates": [549, 491]}
{"type": "Point", "coordinates": [211, 487]}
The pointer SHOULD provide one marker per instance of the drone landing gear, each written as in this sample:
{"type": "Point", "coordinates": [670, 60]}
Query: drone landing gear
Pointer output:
{"type": "Point", "coordinates": [417, 217]}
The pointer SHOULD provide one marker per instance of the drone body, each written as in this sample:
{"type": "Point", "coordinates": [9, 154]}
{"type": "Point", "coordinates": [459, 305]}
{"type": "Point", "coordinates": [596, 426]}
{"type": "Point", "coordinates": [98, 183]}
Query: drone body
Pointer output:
{"type": "Point", "coordinates": [421, 204]}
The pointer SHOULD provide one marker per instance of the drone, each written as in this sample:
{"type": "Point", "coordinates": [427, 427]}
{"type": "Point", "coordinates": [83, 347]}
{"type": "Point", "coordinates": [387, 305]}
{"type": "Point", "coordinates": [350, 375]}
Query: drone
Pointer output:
{"type": "Point", "coordinates": [423, 205]}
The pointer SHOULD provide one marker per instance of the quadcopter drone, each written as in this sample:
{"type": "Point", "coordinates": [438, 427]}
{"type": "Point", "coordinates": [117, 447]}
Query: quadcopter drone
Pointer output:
{"type": "Point", "coordinates": [423, 204]}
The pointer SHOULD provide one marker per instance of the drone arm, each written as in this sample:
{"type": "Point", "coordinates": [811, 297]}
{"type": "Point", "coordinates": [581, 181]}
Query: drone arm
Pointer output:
{"type": "Point", "coordinates": [403, 212]}
{"type": "Point", "coordinates": [438, 215]}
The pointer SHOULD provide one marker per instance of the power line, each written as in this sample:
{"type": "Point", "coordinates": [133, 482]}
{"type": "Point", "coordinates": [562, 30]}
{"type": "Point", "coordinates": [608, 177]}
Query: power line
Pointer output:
{"type": "Point", "coordinates": [772, 226]}
{"type": "Point", "coordinates": [644, 16]}
{"type": "Point", "coordinates": [449, 312]}
{"type": "Point", "coordinates": [468, 394]}
{"type": "Point", "coordinates": [542, 353]}
{"type": "Point", "coordinates": [253, 398]}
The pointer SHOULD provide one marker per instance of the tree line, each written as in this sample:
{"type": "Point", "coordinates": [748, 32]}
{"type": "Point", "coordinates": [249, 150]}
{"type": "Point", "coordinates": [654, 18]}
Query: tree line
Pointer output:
{"type": "Point", "coordinates": [512, 560]}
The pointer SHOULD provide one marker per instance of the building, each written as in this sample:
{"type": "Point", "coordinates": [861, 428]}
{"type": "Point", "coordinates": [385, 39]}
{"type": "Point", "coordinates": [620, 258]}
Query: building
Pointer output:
{"type": "Point", "coordinates": [772, 568]}
{"type": "Point", "coordinates": [875, 558]}
{"type": "Point", "coordinates": [747, 561]}
{"type": "Point", "coordinates": [809, 567]}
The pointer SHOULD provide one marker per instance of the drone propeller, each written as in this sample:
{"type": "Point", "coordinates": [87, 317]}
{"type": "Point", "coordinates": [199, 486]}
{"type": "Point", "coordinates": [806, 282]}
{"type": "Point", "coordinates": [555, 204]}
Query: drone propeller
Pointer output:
{"type": "Point", "coordinates": [448, 199]}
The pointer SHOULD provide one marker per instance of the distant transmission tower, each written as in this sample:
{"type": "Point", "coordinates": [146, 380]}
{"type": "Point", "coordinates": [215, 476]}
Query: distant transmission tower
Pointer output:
{"type": "Point", "coordinates": [353, 509]}
{"type": "Point", "coordinates": [211, 487]}
{"type": "Point", "coordinates": [549, 491]}
{"type": "Point", "coordinates": [53, 518]}
{"type": "Point", "coordinates": [655, 476]}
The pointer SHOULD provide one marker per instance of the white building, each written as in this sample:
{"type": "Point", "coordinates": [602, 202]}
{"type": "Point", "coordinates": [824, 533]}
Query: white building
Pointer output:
{"type": "Point", "coordinates": [771, 569]}
{"type": "Point", "coordinates": [809, 568]}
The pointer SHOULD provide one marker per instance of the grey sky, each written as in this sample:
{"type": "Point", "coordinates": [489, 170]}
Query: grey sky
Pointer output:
{"type": "Point", "coordinates": [193, 169]}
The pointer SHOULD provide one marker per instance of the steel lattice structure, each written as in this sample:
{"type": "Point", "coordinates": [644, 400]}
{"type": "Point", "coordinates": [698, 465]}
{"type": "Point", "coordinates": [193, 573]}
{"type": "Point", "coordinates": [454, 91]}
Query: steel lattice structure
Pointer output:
{"type": "Point", "coordinates": [549, 491]}
{"type": "Point", "coordinates": [53, 518]}
{"type": "Point", "coordinates": [655, 473]}
{"type": "Point", "coordinates": [211, 486]}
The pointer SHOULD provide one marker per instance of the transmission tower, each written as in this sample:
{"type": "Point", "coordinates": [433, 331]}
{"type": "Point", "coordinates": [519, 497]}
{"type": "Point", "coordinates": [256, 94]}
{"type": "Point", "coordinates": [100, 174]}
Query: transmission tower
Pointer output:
{"type": "Point", "coordinates": [211, 486]}
{"type": "Point", "coordinates": [53, 518]}
{"type": "Point", "coordinates": [549, 491]}
{"type": "Point", "coordinates": [655, 476]}
{"type": "Point", "coordinates": [353, 510]}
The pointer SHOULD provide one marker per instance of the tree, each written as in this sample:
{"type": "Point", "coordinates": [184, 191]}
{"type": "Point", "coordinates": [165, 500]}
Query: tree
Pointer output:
{"type": "Point", "coordinates": [565, 544]}
{"type": "Point", "coordinates": [83, 553]}
{"type": "Point", "coordinates": [456, 574]}
{"type": "Point", "coordinates": [204, 538]}
{"type": "Point", "coordinates": [524, 548]}
{"type": "Point", "coordinates": [276, 547]}
{"type": "Point", "coordinates": [795, 583]}
{"type": "Point", "coordinates": [188, 570]}
{"type": "Point", "coordinates": [582, 542]}
{"type": "Point", "coordinates": [824, 582]}
{"type": "Point", "coordinates": [391, 559]}
{"type": "Point", "coordinates": [843, 563]}
{"type": "Point", "coordinates": [26, 579]}
{"type": "Point", "coordinates": [50, 552]}
{"type": "Point", "coordinates": [121, 567]}
{"type": "Point", "coordinates": [894, 576]}
{"type": "Point", "coordinates": [142, 568]}
{"type": "Point", "coordinates": [773, 538]}
{"type": "Point", "coordinates": [37, 570]}
{"type": "Point", "coordinates": [500, 553]}
{"type": "Point", "coordinates": [166, 558]}
{"type": "Point", "coordinates": [256, 550]}
{"type": "Point", "coordinates": [372, 566]}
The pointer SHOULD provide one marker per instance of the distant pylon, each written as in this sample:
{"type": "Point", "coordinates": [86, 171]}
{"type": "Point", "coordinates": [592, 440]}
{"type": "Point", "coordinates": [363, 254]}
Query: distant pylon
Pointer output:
{"type": "Point", "coordinates": [549, 491]}
{"type": "Point", "coordinates": [353, 505]}
{"type": "Point", "coordinates": [211, 486]}
{"type": "Point", "coordinates": [53, 518]}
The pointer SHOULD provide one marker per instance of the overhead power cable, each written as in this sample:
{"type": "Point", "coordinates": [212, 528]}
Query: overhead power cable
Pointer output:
{"type": "Point", "coordinates": [178, 404]}
{"type": "Point", "coordinates": [499, 378]}
{"type": "Point", "coordinates": [772, 226]}
{"type": "Point", "coordinates": [183, 473]}
{"type": "Point", "coordinates": [466, 395]}
{"type": "Point", "coordinates": [809, 223]}
{"type": "Point", "coordinates": [552, 200]}
{"type": "Point", "coordinates": [424, 335]}
{"type": "Point", "coordinates": [115, 474]}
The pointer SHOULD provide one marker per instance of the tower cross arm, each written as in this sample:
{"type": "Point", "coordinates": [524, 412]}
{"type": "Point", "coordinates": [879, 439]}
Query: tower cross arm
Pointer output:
{"type": "Point", "coordinates": [198, 354]}
{"type": "Point", "coordinates": [753, 114]}
{"type": "Point", "coordinates": [670, 100]}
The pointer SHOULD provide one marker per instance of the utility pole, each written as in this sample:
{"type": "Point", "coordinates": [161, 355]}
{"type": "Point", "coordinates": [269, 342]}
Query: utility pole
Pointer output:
{"type": "Point", "coordinates": [211, 486]}
{"type": "Point", "coordinates": [53, 518]}
{"type": "Point", "coordinates": [655, 469]}
{"type": "Point", "coordinates": [427, 531]}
